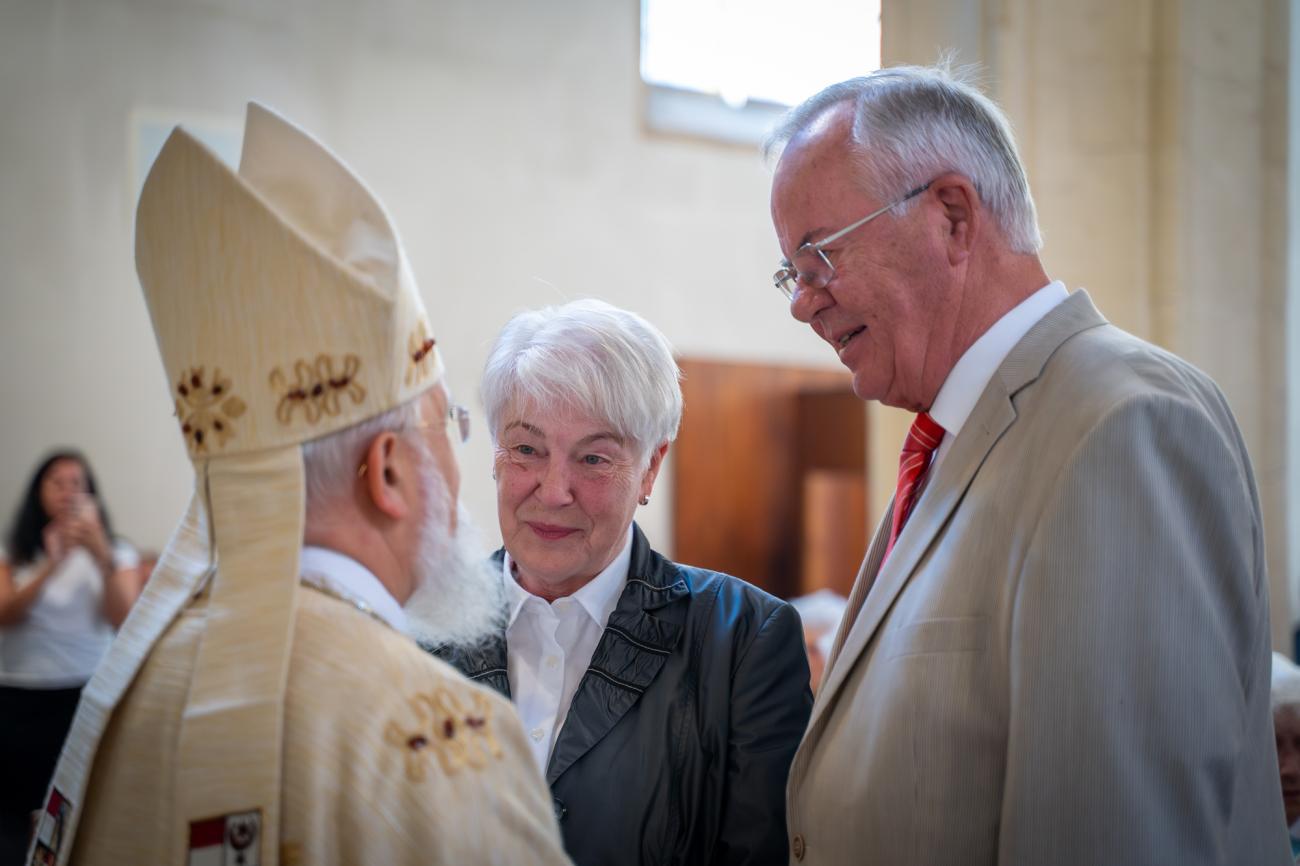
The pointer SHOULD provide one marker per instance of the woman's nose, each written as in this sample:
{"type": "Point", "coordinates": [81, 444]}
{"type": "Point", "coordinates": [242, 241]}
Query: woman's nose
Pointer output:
{"type": "Point", "coordinates": [554, 488]}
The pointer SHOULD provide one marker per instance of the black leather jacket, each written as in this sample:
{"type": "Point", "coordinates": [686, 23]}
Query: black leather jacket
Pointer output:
{"type": "Point", "coordinates": [680, 736]}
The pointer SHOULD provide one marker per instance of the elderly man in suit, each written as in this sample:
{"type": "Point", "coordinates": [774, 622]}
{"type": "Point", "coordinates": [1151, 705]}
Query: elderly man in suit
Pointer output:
{"type": "Point", "coordinates": [1057, 648]}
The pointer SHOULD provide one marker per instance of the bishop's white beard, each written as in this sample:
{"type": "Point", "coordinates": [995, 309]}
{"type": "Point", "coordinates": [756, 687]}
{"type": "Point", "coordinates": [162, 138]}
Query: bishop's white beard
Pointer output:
{"type": "Point", "coordinates": [458, 598]}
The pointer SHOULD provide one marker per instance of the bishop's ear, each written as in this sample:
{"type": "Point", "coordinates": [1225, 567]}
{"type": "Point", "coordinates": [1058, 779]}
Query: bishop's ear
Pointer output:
{"type": "Point", "coordinates": [384, 477]}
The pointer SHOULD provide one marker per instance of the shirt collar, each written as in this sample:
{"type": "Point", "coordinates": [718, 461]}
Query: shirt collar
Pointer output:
{"type": "Point", "coordinates": [345, 576]}
{"type": "Point", "coordinates": [976, 367]}
{"type": "Point", "coordinates": [598, 596]}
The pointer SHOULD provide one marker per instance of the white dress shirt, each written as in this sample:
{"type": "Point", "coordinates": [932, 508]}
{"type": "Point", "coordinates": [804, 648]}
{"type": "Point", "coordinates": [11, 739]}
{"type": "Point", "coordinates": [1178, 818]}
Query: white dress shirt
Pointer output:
{"type": "Point", "coordinates": [344, 576]}
{"type": "Point", "coordinates": [973, 371]}
{"type": "Point", "coordinates": [549, 646]}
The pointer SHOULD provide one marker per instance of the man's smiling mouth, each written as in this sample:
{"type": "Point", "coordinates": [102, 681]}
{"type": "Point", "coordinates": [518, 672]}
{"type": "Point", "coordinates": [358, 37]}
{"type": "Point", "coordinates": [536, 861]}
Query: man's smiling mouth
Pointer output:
{"type": "Point", "coordinates": [844, 340]}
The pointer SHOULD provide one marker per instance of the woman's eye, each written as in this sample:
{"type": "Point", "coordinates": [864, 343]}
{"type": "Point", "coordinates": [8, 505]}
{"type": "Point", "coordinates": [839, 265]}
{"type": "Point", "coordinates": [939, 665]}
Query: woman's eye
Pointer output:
{"type": "Point", "coordinates": [525, 450]}
{"type": "Point", "coordinates": [593, 460]}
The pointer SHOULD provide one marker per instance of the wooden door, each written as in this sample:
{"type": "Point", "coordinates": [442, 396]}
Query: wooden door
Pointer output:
{"type": "Point", "coordinates": [770, 475]}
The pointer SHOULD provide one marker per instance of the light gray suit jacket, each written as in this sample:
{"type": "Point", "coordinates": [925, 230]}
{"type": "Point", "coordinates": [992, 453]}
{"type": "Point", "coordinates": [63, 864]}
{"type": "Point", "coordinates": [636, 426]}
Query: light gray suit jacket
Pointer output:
{"type": "Point", "coordinates": [1065, 659]}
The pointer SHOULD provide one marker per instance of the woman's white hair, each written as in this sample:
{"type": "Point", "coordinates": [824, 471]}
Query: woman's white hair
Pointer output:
{"type": "Point", "coordinates": [330, 462]}
{"type": "Point", "coordinates": [913, 123]}
{"type": "Point", "coordinates": [1285, 686]}
{"type": "Point", "coordinates": [589, 356]}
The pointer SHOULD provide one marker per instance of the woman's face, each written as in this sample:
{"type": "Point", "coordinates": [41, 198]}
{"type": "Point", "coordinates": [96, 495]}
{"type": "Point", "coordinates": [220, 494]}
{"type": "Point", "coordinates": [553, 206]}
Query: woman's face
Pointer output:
{"type": "Point", "coordinates": [567, 486]}
{"type": "Point", "coordinates": [63, 488]}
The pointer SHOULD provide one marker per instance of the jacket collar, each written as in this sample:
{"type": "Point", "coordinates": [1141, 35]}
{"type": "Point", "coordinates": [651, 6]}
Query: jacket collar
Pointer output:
{"type": "Point", "coordinates": [644, 629]}
{"type": "Point", "coordinates": [872, 597]}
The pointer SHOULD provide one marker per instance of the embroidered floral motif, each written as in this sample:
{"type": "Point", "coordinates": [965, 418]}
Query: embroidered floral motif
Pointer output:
{"type": "Point", "coordinates": [206, 409]}
{"type": "Point", "coordinates": [420, 347]}
{"type": "Point", "coordinates": [316, 388]}
{"type": "Point", "coordinates": [460, 736]}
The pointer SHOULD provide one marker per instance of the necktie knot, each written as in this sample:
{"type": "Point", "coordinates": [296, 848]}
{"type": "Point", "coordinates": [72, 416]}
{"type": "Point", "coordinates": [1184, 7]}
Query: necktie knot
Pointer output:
{"type": "Point", "coordinates": [924, 436]}
{"type": "Point", "coordinates": [918, 450]}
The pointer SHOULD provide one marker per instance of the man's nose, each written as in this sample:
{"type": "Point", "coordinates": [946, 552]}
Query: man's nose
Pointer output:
{"type": "Point", "coordinates": [808, 301]}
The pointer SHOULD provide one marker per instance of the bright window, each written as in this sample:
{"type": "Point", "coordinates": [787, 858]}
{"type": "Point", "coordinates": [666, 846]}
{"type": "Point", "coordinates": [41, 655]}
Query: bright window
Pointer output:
{"type": "Point", "coordinates": [749, 54]}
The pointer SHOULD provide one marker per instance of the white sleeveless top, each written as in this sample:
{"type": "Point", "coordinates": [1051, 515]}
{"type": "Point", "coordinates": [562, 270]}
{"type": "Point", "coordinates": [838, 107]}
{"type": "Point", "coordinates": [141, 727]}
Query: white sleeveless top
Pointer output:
{"type": "Point", "coordinates": [64, 635]}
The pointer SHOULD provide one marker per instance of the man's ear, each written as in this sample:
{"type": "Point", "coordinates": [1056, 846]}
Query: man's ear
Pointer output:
{"type": "Point", "coordinates": [961, 210]}
{"type": "Point", "coordinates": [383, 475]}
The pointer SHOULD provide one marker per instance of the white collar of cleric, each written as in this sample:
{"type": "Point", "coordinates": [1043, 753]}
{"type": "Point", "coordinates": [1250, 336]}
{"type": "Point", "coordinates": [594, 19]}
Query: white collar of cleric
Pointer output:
{"type": "Point", "coordinates": [345, 577]}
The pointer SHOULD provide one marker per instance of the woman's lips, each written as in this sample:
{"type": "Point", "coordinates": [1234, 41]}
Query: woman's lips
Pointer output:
{"type": "Point", "coordinates": [550, 533]}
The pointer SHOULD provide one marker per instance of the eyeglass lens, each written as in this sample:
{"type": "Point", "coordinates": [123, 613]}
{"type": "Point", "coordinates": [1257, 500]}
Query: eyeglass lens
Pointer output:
{"type": "Point", "coordinates": [460, 415]}
{"type": "Point", "coordinates": [809, 265]}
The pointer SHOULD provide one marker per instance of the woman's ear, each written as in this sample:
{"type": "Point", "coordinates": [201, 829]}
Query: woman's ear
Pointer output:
{"type": "Point", "coordinates": [652, 471]}
{"type": "Point", "coordinates": [383, 475]}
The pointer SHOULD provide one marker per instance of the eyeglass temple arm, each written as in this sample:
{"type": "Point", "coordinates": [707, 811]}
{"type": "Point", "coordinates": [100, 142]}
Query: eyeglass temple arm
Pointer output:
{"type": "Point", "coordinates": [869, 217]}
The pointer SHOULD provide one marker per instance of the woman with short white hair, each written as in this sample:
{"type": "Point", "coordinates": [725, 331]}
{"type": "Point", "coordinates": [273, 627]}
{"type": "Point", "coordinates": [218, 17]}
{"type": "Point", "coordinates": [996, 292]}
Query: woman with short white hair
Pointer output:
{"type": "Point", "coordinates": [664, 702]}
{"type": "Point", "coordinates": [1285, 698]}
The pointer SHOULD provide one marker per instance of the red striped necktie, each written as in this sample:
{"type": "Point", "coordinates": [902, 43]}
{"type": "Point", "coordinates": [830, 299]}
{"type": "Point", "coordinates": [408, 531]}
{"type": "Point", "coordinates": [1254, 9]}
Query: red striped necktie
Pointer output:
{"type": "Point", "coordinates": [918, 451]}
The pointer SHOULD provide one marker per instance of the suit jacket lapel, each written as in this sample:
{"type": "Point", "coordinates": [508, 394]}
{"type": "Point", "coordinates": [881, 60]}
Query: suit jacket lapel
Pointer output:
{"type": "Point", "coordinates": [641, 634]}
{"type": "Point", "coordinates": [993, 414]}
{"type": "Point", "coordinates": [862, 584]}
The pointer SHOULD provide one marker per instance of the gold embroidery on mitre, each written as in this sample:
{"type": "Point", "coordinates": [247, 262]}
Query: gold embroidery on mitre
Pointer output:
{"type": "Point", "coordinates": [206, 409]}
{"type": "Point", "coordinates": [461, 736]}
{"type": "Point", "coordinates": [316, 387]}
{"type": "Point", "coordinates": [420, 347]}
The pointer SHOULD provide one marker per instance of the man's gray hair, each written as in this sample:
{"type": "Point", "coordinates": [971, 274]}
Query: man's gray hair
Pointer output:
{"type": "Point", "coordinates": [589, 356]}
{"type": "Point", "coordinates": [913, 123]}
{"type": "Point", "coordinates": [330, 463]}
{"type": "Point", "coordinates": [1285, 685]}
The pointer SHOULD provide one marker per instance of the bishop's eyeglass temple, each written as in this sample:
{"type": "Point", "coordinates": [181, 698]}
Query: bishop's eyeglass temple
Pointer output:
{"type": "Point", "coordinates": [456, 414]}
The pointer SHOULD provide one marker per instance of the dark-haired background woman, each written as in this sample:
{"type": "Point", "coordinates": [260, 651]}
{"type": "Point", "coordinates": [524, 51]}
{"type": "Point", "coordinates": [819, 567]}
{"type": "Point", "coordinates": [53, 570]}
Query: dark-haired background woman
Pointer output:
{"type": "Point", "coordinates": [65, 586]}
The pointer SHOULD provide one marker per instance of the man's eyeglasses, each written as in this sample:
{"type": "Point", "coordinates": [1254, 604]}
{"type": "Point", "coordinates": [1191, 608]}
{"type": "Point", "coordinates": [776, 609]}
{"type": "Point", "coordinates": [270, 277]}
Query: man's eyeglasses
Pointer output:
{"type": "Point", "coordinates": [810, 264]}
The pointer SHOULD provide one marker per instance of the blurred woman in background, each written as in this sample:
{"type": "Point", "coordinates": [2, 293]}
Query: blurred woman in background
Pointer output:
{"type": "Point", "coordinates": [65, 586]}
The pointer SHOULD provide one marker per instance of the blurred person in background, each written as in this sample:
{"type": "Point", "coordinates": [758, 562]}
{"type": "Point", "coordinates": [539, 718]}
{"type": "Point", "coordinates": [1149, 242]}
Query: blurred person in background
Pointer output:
{"type": "Point", "coordinates": [1286, 731]}
{"type": "Point", "coordinates": [65, 584]}
{"type": "Point", "coordinates": [821, 613]}
{"type": "Point", "coordinates": [663, 702]}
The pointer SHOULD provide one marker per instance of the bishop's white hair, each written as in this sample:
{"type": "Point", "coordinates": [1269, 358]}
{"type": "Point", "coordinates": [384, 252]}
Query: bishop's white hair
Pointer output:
{"type": "Point", "coordinates": [330, 463]}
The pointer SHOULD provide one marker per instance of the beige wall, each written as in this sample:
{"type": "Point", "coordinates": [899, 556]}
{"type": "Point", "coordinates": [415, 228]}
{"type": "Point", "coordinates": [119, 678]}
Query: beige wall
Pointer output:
{"type": "Point", "coordinates": [504, 138]}
{"type": "Point", "coordinates": [1155, 137]}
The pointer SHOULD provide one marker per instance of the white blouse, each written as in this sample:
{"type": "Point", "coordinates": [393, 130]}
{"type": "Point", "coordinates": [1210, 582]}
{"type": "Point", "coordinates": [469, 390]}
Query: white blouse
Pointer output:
{"type": "Point", "coordinates": [549, 647]}
{"type": "Point", "coordinates": [60, 642]}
